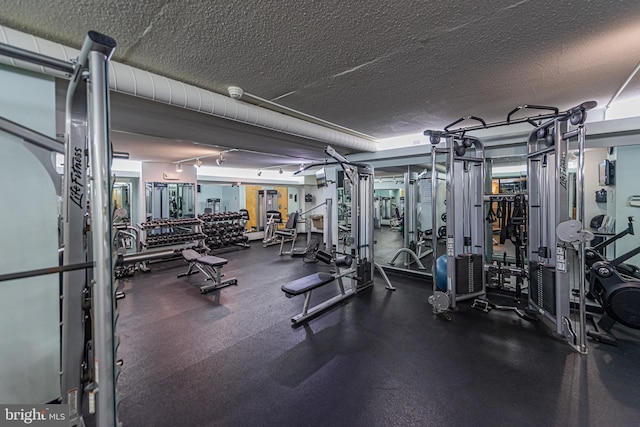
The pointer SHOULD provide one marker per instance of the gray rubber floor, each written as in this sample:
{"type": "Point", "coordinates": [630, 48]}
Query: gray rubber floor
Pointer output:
{"type": "Point", "coordinates": [231, 358]}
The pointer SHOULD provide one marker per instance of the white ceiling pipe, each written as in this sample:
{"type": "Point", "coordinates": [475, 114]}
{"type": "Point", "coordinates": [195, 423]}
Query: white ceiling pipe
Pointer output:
{"type": "Point", "coordinates": [143, 84]}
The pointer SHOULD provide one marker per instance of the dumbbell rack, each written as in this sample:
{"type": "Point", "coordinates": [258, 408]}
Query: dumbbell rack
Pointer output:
{"type": "Point", "coordinates": [224, 230]}
{"type": "Point", "coordinates": [185, 232]}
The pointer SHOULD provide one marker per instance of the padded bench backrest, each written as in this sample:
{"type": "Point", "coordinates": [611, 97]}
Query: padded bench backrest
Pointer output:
{"type": "Point", "coordinates": [276, 215]}
{"type": "Point", "coordinates": [292, 221]}
{"type": "Point", "coordinates": [190, 255]}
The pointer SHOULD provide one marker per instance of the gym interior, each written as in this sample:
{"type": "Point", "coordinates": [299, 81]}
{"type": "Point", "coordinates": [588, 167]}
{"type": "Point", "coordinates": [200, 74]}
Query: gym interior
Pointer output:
{"type": "Point", "coordinates": [410, 229]}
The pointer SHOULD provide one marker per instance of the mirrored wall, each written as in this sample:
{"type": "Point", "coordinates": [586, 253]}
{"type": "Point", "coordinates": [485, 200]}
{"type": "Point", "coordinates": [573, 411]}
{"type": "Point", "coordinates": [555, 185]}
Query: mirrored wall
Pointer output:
{"type": "Point", "coordinates": [256, 199]}
{"type": "Point", "coordinates": [169, 200]}
{"type": "Point", "coordinates": [403, 206]}
{"type": "Point", "coordinates": [403, 217]}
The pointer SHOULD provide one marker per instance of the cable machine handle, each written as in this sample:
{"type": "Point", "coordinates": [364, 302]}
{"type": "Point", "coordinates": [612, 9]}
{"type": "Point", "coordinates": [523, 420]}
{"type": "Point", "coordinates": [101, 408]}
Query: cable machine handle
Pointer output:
{"type": "Point", "coordinates": [462, 119]}
{"type": "Point", "coordinates": [315, 207]}
{"type": "Point", "coordinates": [531, 107]}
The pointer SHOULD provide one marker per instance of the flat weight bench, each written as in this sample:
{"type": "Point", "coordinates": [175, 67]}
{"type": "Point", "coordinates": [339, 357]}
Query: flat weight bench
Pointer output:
{"type": "Point", "coordinates": [305, 285]}
{"type": "Point", "coordinates": [210, 266]}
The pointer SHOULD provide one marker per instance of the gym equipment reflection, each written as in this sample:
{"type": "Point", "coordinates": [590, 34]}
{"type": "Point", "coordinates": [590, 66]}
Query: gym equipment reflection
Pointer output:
{"type": "Point", "coordinates": [121, 198]}
{"type": "Point", "coordinates": [403, 236]}
{"type": "Point", "coordinates": [169, 200]}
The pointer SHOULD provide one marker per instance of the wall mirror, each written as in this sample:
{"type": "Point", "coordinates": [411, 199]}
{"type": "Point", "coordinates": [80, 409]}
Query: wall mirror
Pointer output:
{"type": "Point", "coordinates": [256, 199]}
{"type": "Point", "coordinates": [169, 200]}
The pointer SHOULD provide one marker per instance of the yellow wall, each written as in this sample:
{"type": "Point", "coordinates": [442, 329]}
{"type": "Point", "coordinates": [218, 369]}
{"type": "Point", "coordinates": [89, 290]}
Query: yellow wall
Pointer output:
{"type": "Point", "coordinates": [251, 205]}
{"type": "Point", "coordinates": [252, 201]}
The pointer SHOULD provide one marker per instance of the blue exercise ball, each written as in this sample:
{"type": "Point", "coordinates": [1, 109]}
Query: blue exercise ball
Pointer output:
{"type": "Point", "coordinates": [441, 276]}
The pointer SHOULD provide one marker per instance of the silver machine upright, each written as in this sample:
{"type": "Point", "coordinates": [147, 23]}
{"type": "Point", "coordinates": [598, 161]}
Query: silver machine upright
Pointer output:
{"type": "Point", "coordinates": [89, 370]}
{"type": "Point", "coordinates": [464, 165]}
{"type": "Point", "coordinates": [556, 240]}
{"type": "Point", "coordinates": [360, 178]}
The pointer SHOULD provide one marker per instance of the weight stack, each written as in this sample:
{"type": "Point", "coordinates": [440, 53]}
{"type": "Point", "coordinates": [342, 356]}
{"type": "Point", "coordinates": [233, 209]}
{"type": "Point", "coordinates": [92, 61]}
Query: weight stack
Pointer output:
{"type": "Point", "coordinates": [364, 274]}
{"type": "Point", "coordinates": [542, 286]}
{"type": "Point", "coordinates": [469, 271]}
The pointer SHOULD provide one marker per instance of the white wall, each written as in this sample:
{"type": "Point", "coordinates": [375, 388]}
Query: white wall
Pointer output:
{"type": "Point", "coordinates": [230, 199]}
{"type": "Point", "coordinates": [154, 172]}
{"type": "Point", "coordinates": [626, 185]}
{"type": "Point", "coordinates": [29, 308]}
{"type": "Point", "coordinates": [208, 191]}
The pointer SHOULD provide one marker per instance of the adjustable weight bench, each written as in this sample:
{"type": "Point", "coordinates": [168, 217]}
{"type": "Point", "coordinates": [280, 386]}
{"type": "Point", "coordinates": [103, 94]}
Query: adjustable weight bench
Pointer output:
{"type": "Point", "coordinates": [210, 266]}
{"type": "Point", "coordinates": [305, 285]}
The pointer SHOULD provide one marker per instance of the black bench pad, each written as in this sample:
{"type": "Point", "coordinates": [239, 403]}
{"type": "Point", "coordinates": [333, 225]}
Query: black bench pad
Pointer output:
{"type": "Point", "coordinates": [213, 261]}
{"type": "Point", "coordinates": [190, 255]}
{"type": "Point", "coordinates": [307, 283]}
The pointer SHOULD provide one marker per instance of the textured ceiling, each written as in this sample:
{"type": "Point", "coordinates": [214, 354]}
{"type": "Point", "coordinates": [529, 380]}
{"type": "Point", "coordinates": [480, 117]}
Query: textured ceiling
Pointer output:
{"type": "Point", "coordinates": [379, 67]}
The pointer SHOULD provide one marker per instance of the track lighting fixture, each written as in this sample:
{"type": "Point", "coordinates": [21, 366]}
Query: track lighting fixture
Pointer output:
{"type": "Point", "coordinates": [178, 167]}
{"type": "Point", "coordinates": [220, 160]}
{"type": "Point", "coordinates": [280, 171]}
{"type": "Point", "coordinates": [259, 172]}
{"type": "Point", "coordinates": [198, 163]}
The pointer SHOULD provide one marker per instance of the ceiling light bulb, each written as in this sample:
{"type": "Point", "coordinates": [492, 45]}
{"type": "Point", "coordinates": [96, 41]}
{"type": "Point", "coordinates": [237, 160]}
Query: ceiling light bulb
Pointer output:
{"type": "Point", "coordinates": [280, 171]}
{"type": "Point", "coordinates": [178, 167]}
{"type": "Point", "coordinates": [301, 167]}
{"type": "Point", "coordinates": [218, 162]}
{"type": "Point", "coordinates": [259, 172]}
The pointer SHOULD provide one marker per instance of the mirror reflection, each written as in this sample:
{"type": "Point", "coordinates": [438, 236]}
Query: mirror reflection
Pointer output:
{"type": "Point", "coordinates": [257, 200]}
{"type": "Point", "coordinates": [169, 200]}
{"type": "Point", "coordinates": [121, 196]}
{"type": "Point", "coordinates": [403, 217]}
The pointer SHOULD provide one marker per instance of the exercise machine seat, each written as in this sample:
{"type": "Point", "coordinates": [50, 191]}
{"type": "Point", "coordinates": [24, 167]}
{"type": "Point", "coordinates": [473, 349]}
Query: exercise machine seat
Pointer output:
{"type": "Point", "coordinates": [290, 226]}
{"type": "Point", "coordinates": [307, 283]}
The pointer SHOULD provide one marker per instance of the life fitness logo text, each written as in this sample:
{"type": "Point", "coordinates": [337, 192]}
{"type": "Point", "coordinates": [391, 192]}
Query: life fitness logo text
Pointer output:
{"type": "Point", "coordinates": [43, 415]}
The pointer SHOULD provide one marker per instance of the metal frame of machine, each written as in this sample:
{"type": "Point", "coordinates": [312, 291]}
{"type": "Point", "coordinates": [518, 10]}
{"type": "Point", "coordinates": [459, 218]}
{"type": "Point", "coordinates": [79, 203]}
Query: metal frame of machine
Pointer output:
{"type": "Point", "coordinates": [89, 344]}
{"type": "Point", "coordinates": [465, 227]}
{"type": "Point", "coordinates": [551, 232]}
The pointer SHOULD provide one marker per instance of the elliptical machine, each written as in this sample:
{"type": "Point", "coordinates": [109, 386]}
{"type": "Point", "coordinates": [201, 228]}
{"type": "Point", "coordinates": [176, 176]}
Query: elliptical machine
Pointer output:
{"type": "Point", "coordinates": [618, 294]}
{"type": "Point", "coordinates": [594, 254]}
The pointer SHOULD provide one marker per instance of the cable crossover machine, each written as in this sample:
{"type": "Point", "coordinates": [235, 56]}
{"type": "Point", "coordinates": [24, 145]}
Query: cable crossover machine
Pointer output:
{"type": "Point", "coordinates": [555, 241]}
